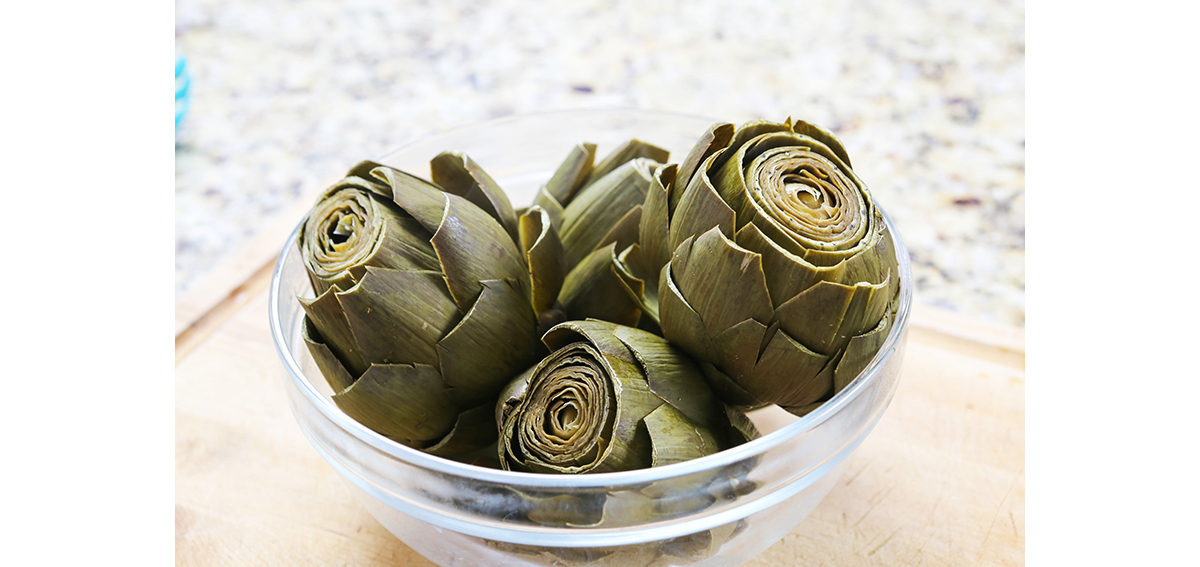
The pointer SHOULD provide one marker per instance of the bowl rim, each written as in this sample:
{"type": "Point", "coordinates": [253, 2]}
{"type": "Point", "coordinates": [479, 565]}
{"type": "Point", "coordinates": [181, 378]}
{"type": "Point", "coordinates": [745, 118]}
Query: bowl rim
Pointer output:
{"type": "Point", "coordinates": [421, 459]}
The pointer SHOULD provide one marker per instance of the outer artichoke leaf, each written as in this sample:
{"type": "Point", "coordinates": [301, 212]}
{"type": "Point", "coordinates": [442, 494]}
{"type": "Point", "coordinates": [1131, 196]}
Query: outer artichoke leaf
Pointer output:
{"type": "Point", "coordinates": [716, 138]}
{"type": "Point", "coordinates": [631, 267]}
{"type": "Point", "coordinates": [724, 283]}
{"type": "Point", "coordinates": [739, 347]}
{"type": "Point", "coordinates": [544, 256]}
{"type": "Point", "coordinates": [326, 316]}
{"type": "Point", "coordinates": [600, 206]}
{"type": "Point", "coordinates": [675, 438]}
{"type": "Point", "coordinates": [654, 229]}
{"type": "Point", "coordinates": [572, 173]}
{"type": "Point", "coordinates": [417, 197]}
{"type": "Point", "coordinates": [680, 323]}
{"type": "Point", "coordinates": [397, 316]}
{"type": "Point", "coordinates": [873, 264]}
{"type": "Point", "coordinates": [860, 351]}
{"type": "Point", "coordinates": [700, 209]}
{"type": "Point", "coordinates": [593, 289]}
{"type": "Point", "coordinates": [405, 401]}
{"type": "Point", "coordinates": [511, 396]}
{"type": "Point", "coordinates": [473, 247]}
{"type": "Point", "coordinates": [457, 173]}
{"type": "Point", "coordinates": [473, 429]}
{"type": "Point", "coordinates": [788, 374]}
{"type": "Point", "coordinates": [728, 391]}
{"type": "Point", "coordinates": [672, 376]}
{"type": "Point", "coordinates": [787, 274]}
{"type": "Point", "coordinates": [492, 343]}
{"type": "Point", "coordinates": [815, 316]}
{"type": "Point", "coordinates": [404, 246]}
{"type": "Point", "coordinates": [331, 368]}
{"type": "Point", "coordinates": [629, 151]}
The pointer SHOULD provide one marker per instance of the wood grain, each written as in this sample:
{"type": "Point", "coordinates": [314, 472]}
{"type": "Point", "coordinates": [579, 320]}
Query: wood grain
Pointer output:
{"type": "Point", "coordinates": [940, 481]}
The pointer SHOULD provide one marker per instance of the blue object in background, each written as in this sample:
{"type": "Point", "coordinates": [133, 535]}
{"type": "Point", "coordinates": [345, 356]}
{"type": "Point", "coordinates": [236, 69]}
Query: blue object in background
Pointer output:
{"type": "Point", "coordinates": [182, 82]}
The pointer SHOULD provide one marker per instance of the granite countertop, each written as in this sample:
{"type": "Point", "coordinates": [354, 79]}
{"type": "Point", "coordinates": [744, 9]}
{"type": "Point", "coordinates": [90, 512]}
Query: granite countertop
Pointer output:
{"type": "Point", "coordinates": [927, 97]}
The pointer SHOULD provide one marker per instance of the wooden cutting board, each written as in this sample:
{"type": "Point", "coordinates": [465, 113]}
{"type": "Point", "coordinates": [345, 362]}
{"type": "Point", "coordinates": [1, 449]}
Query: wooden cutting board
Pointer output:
{"type": "Point", "coordinates": [941, 480]}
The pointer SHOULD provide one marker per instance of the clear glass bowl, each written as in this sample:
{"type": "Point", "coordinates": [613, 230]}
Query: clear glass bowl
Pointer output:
{"type": "Point", "coordinates": [722, 509]}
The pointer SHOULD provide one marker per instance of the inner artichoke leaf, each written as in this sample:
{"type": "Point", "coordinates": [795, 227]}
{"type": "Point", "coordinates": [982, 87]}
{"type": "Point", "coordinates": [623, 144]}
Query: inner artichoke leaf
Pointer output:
{"type": "Point", "coordinates": [628, 151]}
{"type": "Point", "coordinates": [825, 137]}
{"type": "Point", "coordinates": [572, 173]}
{"type": "Point", "coordinates": [405, 401]}
{"type": "Point", "coordinates": [675, 438]}
{"type": "Point", "coordinates": [457, 173]}
{"type": "Point", "coordinates": [544, 256]}
{"type": "Point", "coordinates": [399, 315]}
{"type": "Point", "coordinates": [744, 134]}
{"type": "Point", "coordinates": [494, 341]}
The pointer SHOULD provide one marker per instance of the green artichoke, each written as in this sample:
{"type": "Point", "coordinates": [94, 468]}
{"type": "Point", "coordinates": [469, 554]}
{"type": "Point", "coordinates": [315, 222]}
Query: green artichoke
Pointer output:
{"type": "Point", "coordinates": [424, 307]}
{"type": "Point", "coordinates": [595, 211]}
{"type": "Point", "coordinates": [765, 257]}
{"type": "Point", "coordinates": [611, 398]}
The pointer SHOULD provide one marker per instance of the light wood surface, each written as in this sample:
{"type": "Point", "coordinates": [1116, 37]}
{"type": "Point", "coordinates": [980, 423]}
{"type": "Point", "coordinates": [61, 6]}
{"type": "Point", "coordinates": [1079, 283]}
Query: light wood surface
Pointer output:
{"type": "Point", "coordinates": [941, 480]}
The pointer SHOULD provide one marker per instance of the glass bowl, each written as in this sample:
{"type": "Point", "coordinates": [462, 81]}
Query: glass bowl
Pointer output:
{"type": "Point", "coordinates": [721, 509]}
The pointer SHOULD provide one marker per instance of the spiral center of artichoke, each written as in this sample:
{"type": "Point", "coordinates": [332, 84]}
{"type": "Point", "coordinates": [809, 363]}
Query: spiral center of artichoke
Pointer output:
{"type": "Point", "coordinates": [567, 409]}
{"type": "Point", "coordinates": [343, 229]}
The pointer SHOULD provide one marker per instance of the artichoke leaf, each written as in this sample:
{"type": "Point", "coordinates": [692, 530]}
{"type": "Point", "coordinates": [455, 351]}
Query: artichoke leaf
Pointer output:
{"type": "Point", "coordinates": [405, 401]}
{"type": "Point", "coordinates": [825, 137]}
{"type": "Point", "coordinates": [625, 232]}
{"type": "Point", "coordinates": [680, 323]}
{"type": "Point", "coordinates": [845, 310]}
{"type": "Point", "coordinates": [672, 376]}
{"type": "Point", "coordinates": [700, 208]}
{"type": "Point", "coordinates": [398, 315]}
{"type": "Point", "coordinates": [626, 152]}
{"type": "Point", "coordinates": [544, 255]}
{"type": "Point", "coordinates": [457, 173]}
{"type": "Point", "coordinates": [474, 428]}
{"type": "Point", "coordinates": [716, 138]}
{"type": "Point", "coordinates": [788, 373]}
{"type": "Point", "coordinates": [728, 390]}
{"type": "Point", "coordinates": [654, 228]}
{"type": "Point", "coordinates": [331, 367]}
{"type": "Point", "coordinates": [631, 268]}
{"type": "Point", "coordinates": [493, 342]}
{"type": "Point", "coordinates": [326, 315]}
{"type": "Point", "coordinates": [601, 205]}
{"type": "Point", "coordinates": [723, 282]}
{"type": "Point", "coordinates": [674, 438]}
{"type": "Point", "coordinates": [747, 132]}
{"type": "Point", "coordinates": [572, 173]}
{"type": "Point", "coordinates": [787, 274]}
{"type": "Point", "coordinates": [549, 204]}
{"type": "Point", "coordinates": [594, 290]}
{"type": "Point", "coordinates": [741, 345]}
{"type": "Point", "coordinates": [859, 353]}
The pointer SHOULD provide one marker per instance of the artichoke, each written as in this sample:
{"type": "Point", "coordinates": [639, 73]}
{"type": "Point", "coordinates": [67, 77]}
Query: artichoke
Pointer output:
{"type": "Point", "coordinates": [424, 307]}
{"type": "Point", "coordinates": [765, 257]}
{"type": "Point", "coordinates": [611, 398]}
{"type": "Point", "coordinates": [596, 211]}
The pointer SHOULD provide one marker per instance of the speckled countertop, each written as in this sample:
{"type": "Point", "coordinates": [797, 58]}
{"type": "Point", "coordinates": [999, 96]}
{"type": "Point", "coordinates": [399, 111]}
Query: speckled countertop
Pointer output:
{"type": "Point", "coordinates": [927, 96]}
